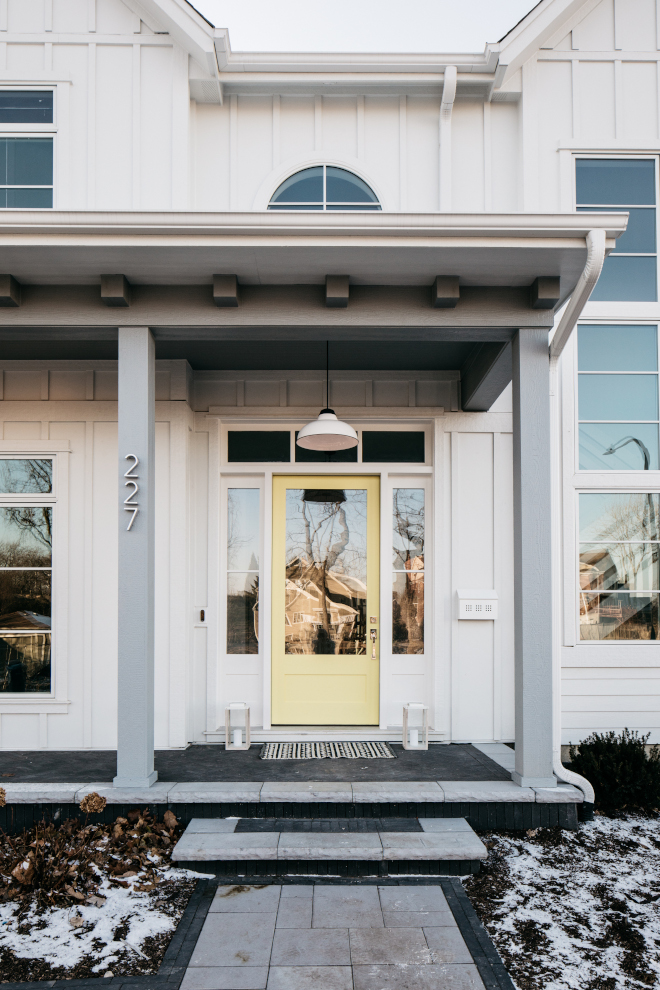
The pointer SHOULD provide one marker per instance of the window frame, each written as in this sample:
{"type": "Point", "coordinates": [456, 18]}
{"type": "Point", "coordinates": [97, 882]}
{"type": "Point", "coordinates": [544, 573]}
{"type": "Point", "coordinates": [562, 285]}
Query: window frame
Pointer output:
{"type": "Point", "coordinates": [14, 130]}
{"type": "Point", "coordinates": [329, 467]}
{"type": "Point", "coordinates": [54, 701]}
{"type": "Point", "coordinates": [602, 490]}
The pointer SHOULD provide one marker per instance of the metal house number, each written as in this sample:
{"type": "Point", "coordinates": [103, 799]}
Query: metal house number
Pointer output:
{"type": "Point", "coordinates": [129, 504]}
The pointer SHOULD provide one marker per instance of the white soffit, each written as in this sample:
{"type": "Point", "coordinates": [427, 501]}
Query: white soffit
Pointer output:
{"type": "Point", "coordinates": [74, 248]}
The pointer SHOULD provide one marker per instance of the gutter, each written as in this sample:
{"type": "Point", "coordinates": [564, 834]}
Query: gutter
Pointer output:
{"type": "Point", "coordinates": [596, 247]}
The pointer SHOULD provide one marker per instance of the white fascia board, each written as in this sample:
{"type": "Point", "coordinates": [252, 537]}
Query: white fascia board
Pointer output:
{"type": "Point", "coordinates": [186, 26]}
{"type": "Point", "coordinates": [544, 21]}
{"type": "Point", "coordinates": [297, 66]}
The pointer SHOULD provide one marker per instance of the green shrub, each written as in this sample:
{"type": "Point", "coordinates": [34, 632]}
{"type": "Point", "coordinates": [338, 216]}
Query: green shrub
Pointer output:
{"type": "Point", "coordinates": [624, 776]}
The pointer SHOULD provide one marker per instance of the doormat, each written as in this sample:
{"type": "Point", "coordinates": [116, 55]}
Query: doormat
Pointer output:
{"type": "Point", "coordinates": [327, 751]}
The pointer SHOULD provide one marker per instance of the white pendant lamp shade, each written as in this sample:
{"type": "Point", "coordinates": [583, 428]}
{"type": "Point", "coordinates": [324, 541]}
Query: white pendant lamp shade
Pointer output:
{"type": "Point", "coordinates": [327, 433]}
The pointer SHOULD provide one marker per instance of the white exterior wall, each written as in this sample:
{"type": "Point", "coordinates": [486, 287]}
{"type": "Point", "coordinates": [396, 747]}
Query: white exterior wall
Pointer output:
{"type": "Point", "coordinates": [127, 136]}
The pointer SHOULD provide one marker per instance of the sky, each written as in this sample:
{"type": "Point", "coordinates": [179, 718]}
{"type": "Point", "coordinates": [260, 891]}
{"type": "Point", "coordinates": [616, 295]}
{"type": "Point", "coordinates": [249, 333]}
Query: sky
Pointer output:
{"type": "Point", "coordinates": [364, 25]}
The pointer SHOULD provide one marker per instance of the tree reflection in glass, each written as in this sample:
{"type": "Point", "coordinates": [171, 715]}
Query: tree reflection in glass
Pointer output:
{"type": "Point", "coordinates": [25, 597]}
{"type": "Point", "coordinates": [326, 571]}
{"type": "Point", "coordinates": [619, 566]}
{"type": "Point", "coordinates": [408, 566]}
{"type": "Point", "coordinates": [243, 570]}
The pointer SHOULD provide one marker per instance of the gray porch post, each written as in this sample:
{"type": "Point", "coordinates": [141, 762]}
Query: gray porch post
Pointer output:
{"type": "Point", "coordinates": [532, 558]}
{"type": "Point", "coordinates": [135, 728]}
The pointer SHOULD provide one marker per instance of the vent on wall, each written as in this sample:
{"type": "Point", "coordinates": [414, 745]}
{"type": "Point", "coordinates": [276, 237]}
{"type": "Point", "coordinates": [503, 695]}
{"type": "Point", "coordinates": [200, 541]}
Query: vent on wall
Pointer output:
{"type": "Point", "coordinates": [477, 604]}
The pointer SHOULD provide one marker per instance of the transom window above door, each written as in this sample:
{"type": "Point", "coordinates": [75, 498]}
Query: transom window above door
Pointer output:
{"type": "Point", "coordinates": [324, 187]}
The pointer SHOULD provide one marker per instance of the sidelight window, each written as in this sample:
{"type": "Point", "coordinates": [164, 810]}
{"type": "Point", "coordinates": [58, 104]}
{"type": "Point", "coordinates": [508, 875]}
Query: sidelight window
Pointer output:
{"type": "Point", "coordinates": [26, 529]}
{"type": "Point", "coordinates": [408, 570]}
{"type": "Point", "coordinates": [243, 570]}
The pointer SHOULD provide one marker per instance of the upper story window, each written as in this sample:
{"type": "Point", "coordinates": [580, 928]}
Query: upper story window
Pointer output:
{"type": "Point", "coordinates": [623, 184]}
{"type": "Point", "coordinates": [324, 187]}
{"type": "Point", "coordinates": [618, 398]}
{"type": "Point", "coordinates": [26, 161]}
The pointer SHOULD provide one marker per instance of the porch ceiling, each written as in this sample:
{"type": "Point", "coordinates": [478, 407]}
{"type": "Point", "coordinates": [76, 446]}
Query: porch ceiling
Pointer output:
{"type": "Point", "coordinates": [75, 248]}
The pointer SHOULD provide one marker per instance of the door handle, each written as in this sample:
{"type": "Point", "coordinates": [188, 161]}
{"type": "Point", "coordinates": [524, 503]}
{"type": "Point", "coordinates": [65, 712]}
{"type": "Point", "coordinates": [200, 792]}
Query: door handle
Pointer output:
{"type": "Point", "coordinates": [373, 634]}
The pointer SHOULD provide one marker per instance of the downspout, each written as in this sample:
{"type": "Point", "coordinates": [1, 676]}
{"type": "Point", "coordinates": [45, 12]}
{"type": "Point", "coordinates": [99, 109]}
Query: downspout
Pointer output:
{"type": "Point", "coordinates": [572, 313]}
{"type": "Point", "coordinates": [444, 127]}
{"type": "Point", "coordinates": [581, 292]}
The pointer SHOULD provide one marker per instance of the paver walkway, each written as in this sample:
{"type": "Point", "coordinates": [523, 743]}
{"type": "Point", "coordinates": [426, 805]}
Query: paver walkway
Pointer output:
{"type": "Point", "coordinates": [299, 937]}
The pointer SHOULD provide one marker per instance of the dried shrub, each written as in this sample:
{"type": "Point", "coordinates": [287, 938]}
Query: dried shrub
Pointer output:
{"type": "Point", "coordinates": [64, 865]}
{"type": "Point", "coordinates": [93, 804]}
{"type": "Point", "coordinates": [624, 775]}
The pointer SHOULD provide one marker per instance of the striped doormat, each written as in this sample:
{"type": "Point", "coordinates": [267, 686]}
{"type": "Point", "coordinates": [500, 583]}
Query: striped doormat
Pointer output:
{"type": "Point", "coordinates": [327, 751]}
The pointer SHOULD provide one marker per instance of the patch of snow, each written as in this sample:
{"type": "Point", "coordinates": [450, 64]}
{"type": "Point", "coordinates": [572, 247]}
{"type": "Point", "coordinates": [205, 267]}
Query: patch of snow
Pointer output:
{"type": "Point", "coordinates": [51, 936]}
{"type": "Point", "coordinates": [576, 910]}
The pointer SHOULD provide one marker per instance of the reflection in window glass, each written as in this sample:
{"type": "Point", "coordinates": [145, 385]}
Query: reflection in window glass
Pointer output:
{"type": "Point", "coordinates": [630, 271]}
{"type": "Point", "coordinates": [619, 573]}
{"type": "Point", "coordinates": [26, 477]}
{"type": "Point", "coordinates": [408, 571]}
{"type": "Point", "coordinates": [619, 414]}
{"type": "Point", "coordinates": [243, 570]}
{"type": "Point", "coordinates": [25, 598]}
{"type": "Point", "coordinates": [324, 187]}
{"type": "Point", "coordinates": [326, 571]}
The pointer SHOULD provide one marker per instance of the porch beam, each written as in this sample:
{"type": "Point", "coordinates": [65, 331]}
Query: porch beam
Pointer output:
{"type": "Point", "coordinates": [135, 718]}
{"type": "Point", "coordinates": [485, 375]}
{"type": "Point", "coordinates": [532, 557]}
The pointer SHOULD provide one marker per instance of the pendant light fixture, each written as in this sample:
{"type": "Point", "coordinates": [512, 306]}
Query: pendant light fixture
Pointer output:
{"type": "Point", "coordinates": [327, 432]}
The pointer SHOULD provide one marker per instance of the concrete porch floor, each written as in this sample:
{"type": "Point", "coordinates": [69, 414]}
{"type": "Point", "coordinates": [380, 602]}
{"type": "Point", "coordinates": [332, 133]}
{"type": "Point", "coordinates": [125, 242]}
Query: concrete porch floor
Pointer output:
{"type": "Point", "coordinates": [454, 762]}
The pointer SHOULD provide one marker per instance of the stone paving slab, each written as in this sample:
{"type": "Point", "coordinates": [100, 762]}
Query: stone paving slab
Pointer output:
{"type": "Point", "coordinates": [201, 846]}
{"type": "Point", "coordinates": [445, 825]}
{"type": "Point", "coordinates": [487, 791]}
{"type": "Point", "coordinates": [347, 907]}
{"type": "Point", "coordinates": [310, 978]}
{"type": "Point", "coordinates": [405, 977]}
{"type": "Point", "coordinates": [311, 947]}
{"type": "Point", "coordinates": [234, 940]}
{"type": "Point", "coordinates": [393, 792]}
{"type": "Point", "coordinates": [362, 846]}
{"type": "Point", "coordinates": [303, 791]}
{"type": "Point", "coordinates": [200, 826]}
{"type": "Point", "coordinates": [456, 846]}
{"type": "Point", "coordinates": [239, 899]}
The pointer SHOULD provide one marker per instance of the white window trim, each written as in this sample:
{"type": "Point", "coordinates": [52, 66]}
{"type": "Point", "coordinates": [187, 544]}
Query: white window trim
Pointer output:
{"type": "Point", "coordinates": [56, 701]}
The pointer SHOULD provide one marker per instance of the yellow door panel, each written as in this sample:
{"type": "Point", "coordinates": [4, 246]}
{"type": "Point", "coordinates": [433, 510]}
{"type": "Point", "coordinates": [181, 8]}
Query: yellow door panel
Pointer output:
{"type": "Point", "coordinates": [325, 663]}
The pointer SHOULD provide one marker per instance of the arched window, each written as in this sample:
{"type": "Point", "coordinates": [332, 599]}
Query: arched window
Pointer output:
{"type": "Point", "coordinates": [324, 187]}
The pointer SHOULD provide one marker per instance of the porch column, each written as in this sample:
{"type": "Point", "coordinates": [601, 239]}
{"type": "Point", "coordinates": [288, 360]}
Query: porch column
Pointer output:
{"type": "Point", "coordinates": [532, 558]}
{"type": "Point", "coordinates": [135, 742]}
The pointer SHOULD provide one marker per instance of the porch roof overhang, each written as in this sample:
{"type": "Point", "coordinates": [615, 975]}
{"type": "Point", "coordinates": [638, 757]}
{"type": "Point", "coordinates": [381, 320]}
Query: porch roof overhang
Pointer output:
{"type": "Point", "coordinates": [377, 249]}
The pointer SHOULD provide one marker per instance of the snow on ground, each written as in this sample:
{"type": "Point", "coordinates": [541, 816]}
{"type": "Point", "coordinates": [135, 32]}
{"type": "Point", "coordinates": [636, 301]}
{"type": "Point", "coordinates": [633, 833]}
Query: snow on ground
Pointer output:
{"type": "Point", "coordinates": [578, 910]}
{"type": "Point", "coordinates": [110, 931]}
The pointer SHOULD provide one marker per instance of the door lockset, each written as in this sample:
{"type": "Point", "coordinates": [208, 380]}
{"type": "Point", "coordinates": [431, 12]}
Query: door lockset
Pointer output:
{"type": "Point", "coordinates": [373, 633]}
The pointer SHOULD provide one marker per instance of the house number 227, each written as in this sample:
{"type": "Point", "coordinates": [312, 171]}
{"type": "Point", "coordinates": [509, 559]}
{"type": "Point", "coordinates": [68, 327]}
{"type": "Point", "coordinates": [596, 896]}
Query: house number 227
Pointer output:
{"type": "Point", "coordinates": [130, 505]}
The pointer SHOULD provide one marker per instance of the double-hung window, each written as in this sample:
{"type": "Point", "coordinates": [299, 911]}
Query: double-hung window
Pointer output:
{"type": "Point", "coordinates": [619, 574]}
{"type": "Point", "coordinates": [618, 398]}
{"type": "Point", "coordinates": [26, 527]}
{"type": "Point", "coordinates": [623, 185]}
{"type": "Point", "coordinates": [26, 159]}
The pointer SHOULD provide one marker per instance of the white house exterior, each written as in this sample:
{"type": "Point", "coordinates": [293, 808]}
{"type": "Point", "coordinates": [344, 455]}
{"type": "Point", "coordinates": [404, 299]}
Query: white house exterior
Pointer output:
{"type": "Point", "coordinates": [167, 150]}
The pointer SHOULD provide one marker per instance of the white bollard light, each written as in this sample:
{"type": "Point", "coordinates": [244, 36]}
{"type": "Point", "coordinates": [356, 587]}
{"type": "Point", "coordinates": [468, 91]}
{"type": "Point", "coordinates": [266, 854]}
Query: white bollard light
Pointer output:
{"type": "Point", "coordinates": [415, 736]}
{"type": "Point", "coordinates": [237, 736]}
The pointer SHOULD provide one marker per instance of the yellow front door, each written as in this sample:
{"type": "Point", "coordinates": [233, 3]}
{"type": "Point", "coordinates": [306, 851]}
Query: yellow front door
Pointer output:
{"type": "Point", "coordinates": [326, 629]}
